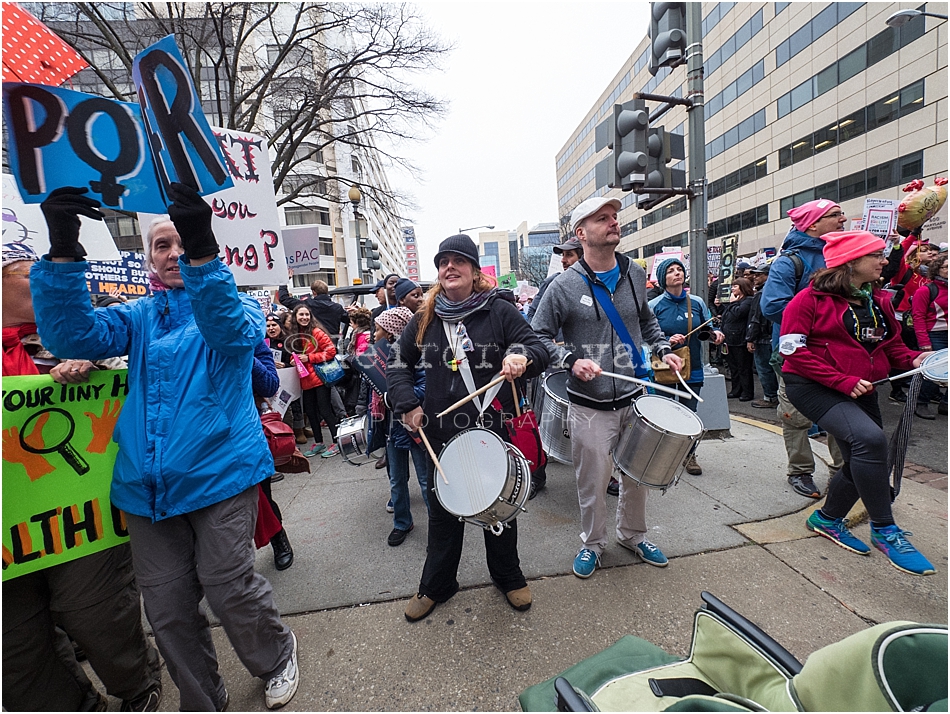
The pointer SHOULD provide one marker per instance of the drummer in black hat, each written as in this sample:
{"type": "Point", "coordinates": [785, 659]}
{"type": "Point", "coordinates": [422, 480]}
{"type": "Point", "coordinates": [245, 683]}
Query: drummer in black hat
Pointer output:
{"type": "Point", "coordinates": [466, 333]}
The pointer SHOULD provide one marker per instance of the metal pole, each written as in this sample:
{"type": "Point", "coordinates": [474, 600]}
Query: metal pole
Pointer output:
{"type": "Point", "coordinates": [696, 152]}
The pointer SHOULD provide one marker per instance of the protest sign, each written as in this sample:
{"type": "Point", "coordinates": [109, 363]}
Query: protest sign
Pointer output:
{"type": "Point", "coordinates": [727, 268]}
{"type": "Point", "coordinates": [245, 219]}
{"type": "Point", "coordinates": [713, 252]}
{"type": "Point", "coordinates": [302, 247]}
{"type": "Point", "coordinates": [263, 297]}
{"type": "Point", "coordinates": [183, 146]}
{"type": "Point", "coordinates": [660, 257]}
{"type": "Point", "coordinates": [880, 216]}
{"type": "Point", "coordinates": [288, 391]}
{"type": "Point", "coordinates": [66, 138]}
{"type": "Point", "coordinates": [508, 280]}
{"type": "Point", "coordinates": [23, 223]}
{"type": "Point", "coordinates": [126, 276]}
{"type": "Point", "coordinates": [58, 456]}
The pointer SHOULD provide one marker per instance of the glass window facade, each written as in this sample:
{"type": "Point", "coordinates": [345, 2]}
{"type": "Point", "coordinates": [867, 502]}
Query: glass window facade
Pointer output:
{"type": "Point", "coordinates": [813, 30]}
{"type": "Point", "coordinates": [739, 222]}
{"type": "Point", "coordinates": [728, 48]}
{"type": "Point", "coordinates": [737, 179]}
{"type": "Point", "coordinates": [746, 128]}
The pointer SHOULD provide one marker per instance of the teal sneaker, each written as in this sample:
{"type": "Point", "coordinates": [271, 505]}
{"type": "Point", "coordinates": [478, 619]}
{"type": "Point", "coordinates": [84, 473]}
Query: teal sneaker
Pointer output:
{"type": "Point", "coordinates": [647, 552]}
{"type": "Point", "coordinates": [836, 530]}
{"type": "Point", "coordinates": [330, 451]}
{"type": "Point", "coordinates": [315, 450]}
{"type": "Point", "coordinates": [892, 541]}
{"type": "Point", "coordinates": [585, 563]}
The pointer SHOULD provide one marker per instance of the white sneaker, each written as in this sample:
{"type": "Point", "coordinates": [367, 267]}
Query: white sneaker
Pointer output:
{"type": "Point", "coordinates": [281, 689]}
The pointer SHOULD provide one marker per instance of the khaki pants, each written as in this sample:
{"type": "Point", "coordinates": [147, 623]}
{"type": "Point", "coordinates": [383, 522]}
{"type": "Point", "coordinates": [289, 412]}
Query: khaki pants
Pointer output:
{"type": "Point", "coordinates": [594, 434]}
{"type": "Point", "coordinates": [795, 426]}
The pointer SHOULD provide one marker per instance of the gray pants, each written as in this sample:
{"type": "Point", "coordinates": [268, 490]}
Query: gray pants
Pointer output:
{"type": "Point", "coordinates": [594, 434]}
{"type": "Point", "coordinates": [96, 601]}
{"type": "Point", "coordinates": [209, 552]}
{"type": "Point", "coordinates": [795, 426]}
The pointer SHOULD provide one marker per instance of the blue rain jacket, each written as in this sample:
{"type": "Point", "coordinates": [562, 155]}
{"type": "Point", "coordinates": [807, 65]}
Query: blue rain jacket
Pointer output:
{"type": "Point", "coordinates": [189, 434]}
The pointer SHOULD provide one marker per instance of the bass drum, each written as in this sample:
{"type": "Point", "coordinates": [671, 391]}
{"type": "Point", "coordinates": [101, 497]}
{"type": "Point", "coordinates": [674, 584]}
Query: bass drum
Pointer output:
{"type": "Point", "coordinates": [488, 479]}
{"type": "Point", "coordinates": [551, 405]}
{"type": "Point", "coordinates": [654, 446]}
{"type": "Point", "coordinates": [352, 437]}
{"type": "Point", "coordinates": [934, 367]}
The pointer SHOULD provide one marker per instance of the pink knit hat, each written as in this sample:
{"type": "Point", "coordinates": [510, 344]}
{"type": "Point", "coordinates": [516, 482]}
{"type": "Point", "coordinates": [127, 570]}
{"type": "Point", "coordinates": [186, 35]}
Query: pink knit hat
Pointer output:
{"type": "Point", "coordinates": [807, 214]}
{"type": "Point", "coordinates": [843, 246]}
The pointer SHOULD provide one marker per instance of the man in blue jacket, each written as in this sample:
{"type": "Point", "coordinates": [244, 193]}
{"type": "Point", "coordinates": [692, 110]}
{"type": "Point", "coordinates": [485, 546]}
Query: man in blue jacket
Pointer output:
{"type": "Point", "coordinates": [790, 273]}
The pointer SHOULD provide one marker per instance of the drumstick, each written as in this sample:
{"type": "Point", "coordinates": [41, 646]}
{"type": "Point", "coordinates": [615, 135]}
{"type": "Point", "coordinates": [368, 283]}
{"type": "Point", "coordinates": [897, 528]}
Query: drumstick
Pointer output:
{"type": "Point", "coordinates": [645, 383]}
{"type": "Point", "coordinates": [686, 387]}
{"type": "Point", "coordinates": [470, 397]}
{"type": "Point", "coordinates": [698, 327]}
{"type": "Point", "coordinates": [921, 368]}
{"type": "Point", "coordinates": [435, 459]}
{"type": "Point", "coordinates": [514, 394]}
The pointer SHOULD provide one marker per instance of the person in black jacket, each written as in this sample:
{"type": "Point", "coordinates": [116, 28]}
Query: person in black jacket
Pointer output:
{"type": "Point", "coordinates": [735, 321]}
{"type": "Point", "coordinates": [486, 334]}
{"type": "Point", "coordinates": [331, 315]}
{"type": "Point", "coordinates": [759, 342]}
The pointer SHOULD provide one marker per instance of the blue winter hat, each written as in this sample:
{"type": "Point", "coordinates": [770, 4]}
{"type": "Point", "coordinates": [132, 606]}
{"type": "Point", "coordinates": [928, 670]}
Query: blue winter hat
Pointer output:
{"type": "Point", "coordinates": [404, 286]}
{"type": "Point", "coordinates": [664, 266]}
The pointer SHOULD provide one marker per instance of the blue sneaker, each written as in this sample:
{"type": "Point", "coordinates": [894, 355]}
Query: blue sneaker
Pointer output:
{"type": "Point", "coordinates": [585, 563]}
{"type": "Point", "coordinates": [892, 541]}
{"type": "Point", "coordinates": [647, 552]}
{"type": "Point", "coordinates": [836, 530]}
{"type": "Point", "coordinates": [315, 450]}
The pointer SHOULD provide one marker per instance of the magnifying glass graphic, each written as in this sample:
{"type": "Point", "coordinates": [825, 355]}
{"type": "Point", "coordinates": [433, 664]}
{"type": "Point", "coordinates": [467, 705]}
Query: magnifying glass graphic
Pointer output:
{"type": "Point", "coordinates": [52, 435]}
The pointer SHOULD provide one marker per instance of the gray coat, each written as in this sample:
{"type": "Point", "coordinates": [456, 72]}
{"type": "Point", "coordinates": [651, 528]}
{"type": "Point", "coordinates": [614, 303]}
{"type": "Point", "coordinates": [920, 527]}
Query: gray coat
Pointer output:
{"type": "Point", "coordinates": [569, 305]}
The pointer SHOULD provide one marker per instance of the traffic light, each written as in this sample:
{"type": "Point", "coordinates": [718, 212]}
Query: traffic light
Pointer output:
{"type": "Point", "coordinates": [627, 136]}
{"type": "Point", "coordinates": [370, 253]}
{"type": "Point", "coordinates": [662, 148]}
{"type": "Point", "coordinates": [667, 35]}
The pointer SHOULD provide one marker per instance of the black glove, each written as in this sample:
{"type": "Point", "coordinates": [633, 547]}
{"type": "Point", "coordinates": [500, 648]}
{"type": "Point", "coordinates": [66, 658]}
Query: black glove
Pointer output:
{"type": "Point", "coordinates": [192, 219]}
{"type": "Point", "coordinates": [62, 209]}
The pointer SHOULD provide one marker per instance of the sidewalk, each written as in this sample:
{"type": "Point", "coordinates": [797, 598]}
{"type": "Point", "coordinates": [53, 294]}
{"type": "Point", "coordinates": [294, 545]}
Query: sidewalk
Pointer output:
{"type": "Point", "coordinates": [737, 531]}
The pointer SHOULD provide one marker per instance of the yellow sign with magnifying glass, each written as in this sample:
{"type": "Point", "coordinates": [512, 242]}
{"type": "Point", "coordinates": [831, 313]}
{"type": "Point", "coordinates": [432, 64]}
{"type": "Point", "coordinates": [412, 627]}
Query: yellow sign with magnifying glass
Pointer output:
{"type": "Point", "coordinates": [58, 456]}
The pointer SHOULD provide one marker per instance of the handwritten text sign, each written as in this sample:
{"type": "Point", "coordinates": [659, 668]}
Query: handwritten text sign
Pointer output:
{"type": "Point", "coordinates": [58, 456]}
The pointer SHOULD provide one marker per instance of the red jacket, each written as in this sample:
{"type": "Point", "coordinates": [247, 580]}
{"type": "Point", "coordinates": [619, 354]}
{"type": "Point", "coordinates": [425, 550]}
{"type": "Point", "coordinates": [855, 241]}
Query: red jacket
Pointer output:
{"type": "Point", "coordinates": [831, 355]}
{"type": "Point", "coordinates": [319, 349]}
{"type": "Point", "coordinates": [927, 312]}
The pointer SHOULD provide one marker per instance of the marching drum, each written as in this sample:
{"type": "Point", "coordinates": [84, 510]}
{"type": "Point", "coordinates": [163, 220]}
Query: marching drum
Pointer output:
{"type": "Point", "coordinates": [654, 446]}
{"type": "Point", "coordinates": [934, 367]}
{"type": "Point", "coordinates": [488, 479]}
{"type": "Point", "coordinates": [352, 437]}
{"type": "Point", "coordinates": [551, 405]}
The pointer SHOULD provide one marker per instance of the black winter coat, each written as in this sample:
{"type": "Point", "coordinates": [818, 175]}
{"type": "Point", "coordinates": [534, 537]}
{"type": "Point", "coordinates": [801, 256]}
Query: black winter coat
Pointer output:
{"type": "Point", "coordinates": [735, 320]}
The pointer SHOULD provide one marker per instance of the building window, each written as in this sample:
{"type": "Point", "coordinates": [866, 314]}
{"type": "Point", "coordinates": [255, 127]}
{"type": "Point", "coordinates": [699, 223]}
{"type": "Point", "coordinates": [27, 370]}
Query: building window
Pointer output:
{"type": "Point", "coordinates": [308, 152]}
{"type": "Point", "coordinates": [326, 245]}
{"type": "Point", "coordinates": [739, 222]}
{"type": "Point", "coordinates": [746, 128]}
{"type": "Point", "coordinates": [813, 30]}
{"type": "Point", "coordinates": [743, 35]}
{"type": "Point", "coordinates": [124, 229]}
{"type": "Point", "coordinates": [306, 216]}
{"type": "Point", "coordinates": [307, 185]}
{"type": "Point", "coordinates": [737, 179]}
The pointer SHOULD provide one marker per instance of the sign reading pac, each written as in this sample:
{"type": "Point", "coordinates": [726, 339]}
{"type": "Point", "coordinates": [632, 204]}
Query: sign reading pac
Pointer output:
{"type": "Point", "coordinates": [180, 137]}
{"type": "Point", "coordinates": [66, 138]}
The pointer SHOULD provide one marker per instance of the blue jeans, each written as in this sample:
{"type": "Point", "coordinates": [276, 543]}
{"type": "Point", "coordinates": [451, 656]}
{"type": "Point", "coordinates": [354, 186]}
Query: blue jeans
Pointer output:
{"type": "Point", "coordinates": [398, 467]}
{"type": "Point", "coordinates": [767, 376]}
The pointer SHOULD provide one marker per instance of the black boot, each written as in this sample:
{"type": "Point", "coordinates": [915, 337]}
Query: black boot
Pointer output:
{"type": "Point", "coordinates": [283, 553]}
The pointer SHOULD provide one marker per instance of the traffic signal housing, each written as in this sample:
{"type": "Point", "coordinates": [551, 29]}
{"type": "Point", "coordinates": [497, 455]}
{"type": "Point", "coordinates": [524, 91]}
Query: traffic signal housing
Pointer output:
{"type": "Point", "coordinates": [662, 148]}
{"type": "Point", "coordinates": [370, 253]}
{"type": "Point", "coordinates": [667, 35]}
{"type": "Point", "coordinates": [627, 136]}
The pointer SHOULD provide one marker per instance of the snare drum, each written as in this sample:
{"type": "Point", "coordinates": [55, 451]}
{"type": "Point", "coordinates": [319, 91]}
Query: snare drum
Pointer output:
{"type": "Point", "coordinates": [656, 443]}
{"type": "Point", "coordinates": [352, 437]}
{"type": "Point", "coordinates": [553, 422]}
{"type": "Point", "coordinates": [934, 367]}
{"type": "Point", "coordinates": [488, 479]}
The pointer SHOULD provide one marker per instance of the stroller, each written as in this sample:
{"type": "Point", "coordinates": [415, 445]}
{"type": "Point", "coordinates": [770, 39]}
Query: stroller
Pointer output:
{"type": "Point", "coordinates": [734, 666]}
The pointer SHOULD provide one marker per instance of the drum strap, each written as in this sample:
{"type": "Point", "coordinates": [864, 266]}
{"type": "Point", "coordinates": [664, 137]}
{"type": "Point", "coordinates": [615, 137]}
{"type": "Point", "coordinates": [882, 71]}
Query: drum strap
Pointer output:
{"type": "Point", "coordinates": [610, 310]}
{"type": "Point", "coordinates": [481, 403]}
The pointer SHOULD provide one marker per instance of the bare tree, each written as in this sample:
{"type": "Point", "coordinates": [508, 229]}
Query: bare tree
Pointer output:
{"type": "Point", "coordinates": [305, 75]}
{"type": "Point", "coordinates": [533, 264]}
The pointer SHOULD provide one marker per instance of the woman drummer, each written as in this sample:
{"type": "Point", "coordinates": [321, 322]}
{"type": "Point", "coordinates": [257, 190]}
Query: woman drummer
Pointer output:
{"type": "Point", "coordinates": [839, 335]}
{"type": "Point", "coordinates": [486, 335]}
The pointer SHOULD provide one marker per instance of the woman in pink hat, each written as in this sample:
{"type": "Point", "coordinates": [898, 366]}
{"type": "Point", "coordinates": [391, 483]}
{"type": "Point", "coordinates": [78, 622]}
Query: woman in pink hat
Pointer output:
{"type": "Point", "coordinates": [839, 335]}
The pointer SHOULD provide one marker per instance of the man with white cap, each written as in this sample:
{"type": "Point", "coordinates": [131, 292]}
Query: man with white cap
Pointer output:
{"type": "Point", "coordinates": [580, 303]}
{"type": "Point", "coordinates": [789, 274]}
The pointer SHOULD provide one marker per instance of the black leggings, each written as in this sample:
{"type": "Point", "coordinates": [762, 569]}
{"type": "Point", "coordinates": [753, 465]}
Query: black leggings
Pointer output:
{"type": "Point", "coordinates": [317, 407]}
{"type": "Point", "coordinates": [864, 475]}
{"type": "Point", "coordinates": [741, 363]}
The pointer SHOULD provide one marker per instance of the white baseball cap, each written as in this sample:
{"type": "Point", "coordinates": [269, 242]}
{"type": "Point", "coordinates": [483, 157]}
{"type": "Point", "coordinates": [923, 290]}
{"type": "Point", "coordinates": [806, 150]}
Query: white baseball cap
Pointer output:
{"type": "Point", "coordinates": [590, 207]}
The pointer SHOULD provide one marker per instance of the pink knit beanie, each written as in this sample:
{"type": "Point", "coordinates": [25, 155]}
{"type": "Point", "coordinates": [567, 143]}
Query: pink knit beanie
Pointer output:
{"type": "Point", "coordinates": [843, 246]}
{"type": "Point", "coordinates": [806, 215]}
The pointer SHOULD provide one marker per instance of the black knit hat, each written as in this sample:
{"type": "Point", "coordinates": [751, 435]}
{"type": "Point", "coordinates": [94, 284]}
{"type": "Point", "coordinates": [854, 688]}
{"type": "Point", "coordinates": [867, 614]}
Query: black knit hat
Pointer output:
{"type": "Point", "coordinates": [404, 286]}
{"type": "Point", "coordinates": [461, 244]}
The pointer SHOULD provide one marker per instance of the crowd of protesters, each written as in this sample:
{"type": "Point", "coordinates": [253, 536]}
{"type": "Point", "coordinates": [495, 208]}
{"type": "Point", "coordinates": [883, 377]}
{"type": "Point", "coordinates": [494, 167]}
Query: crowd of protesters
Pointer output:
{"type": "Point", "coordinates": [192, 512]}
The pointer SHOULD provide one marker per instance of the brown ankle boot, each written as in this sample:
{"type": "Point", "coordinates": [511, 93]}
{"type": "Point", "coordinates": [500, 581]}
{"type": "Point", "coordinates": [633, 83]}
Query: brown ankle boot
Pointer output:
{"type": "Point", "coordinates": [300, 436]}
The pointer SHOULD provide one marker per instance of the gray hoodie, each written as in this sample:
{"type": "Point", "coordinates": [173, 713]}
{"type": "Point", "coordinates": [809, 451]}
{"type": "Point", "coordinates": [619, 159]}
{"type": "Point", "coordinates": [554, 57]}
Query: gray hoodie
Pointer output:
{"type": "Point", "coordinates": [570, 305]}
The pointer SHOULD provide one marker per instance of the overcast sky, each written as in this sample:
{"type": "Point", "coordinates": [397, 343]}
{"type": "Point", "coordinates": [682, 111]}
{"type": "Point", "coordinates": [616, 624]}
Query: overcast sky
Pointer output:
{"type": "Point", "coordinates": [521, 78]}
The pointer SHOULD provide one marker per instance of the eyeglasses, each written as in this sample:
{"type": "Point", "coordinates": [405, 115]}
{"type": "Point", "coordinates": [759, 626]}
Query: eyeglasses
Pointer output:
{"type": "Point", "coordinates": [836, 214]}
{"type": "Point", "coordinates": [876, 256]}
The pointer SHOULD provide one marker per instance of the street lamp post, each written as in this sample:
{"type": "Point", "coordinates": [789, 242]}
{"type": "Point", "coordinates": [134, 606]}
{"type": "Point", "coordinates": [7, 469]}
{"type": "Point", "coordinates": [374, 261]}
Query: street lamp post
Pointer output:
{"type": "Point", "coordinates": [355, 196]}
{"type": "Point", "coordinates": [462, 230]}
{"type": "Point", "coordinates": [902, 17]}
